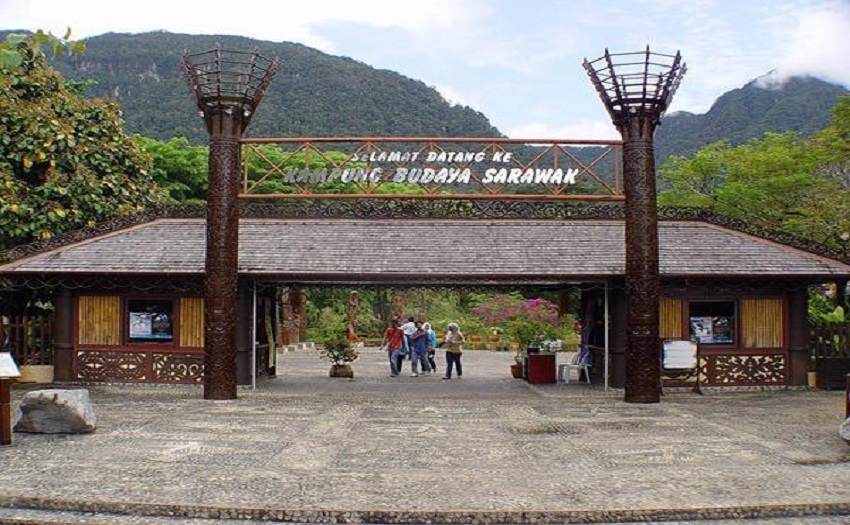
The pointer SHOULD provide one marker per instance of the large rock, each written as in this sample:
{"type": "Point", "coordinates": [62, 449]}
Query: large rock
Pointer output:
{"type": "Point", "coordinates": [56, 411]}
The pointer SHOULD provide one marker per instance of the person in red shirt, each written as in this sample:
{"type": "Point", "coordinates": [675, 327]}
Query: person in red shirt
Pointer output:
{"type": "Point", "coordinates": [394, 344]}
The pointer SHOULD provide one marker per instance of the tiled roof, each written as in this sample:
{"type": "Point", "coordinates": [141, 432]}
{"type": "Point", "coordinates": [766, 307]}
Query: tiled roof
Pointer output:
{"type": "Point", "coordinates": [360, 250]}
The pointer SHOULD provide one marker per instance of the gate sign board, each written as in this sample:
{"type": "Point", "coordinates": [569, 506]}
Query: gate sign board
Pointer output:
{"type": "Point", "coordinates": [349, 167]}
{"type": "Point", "coordinates": [8, 368]}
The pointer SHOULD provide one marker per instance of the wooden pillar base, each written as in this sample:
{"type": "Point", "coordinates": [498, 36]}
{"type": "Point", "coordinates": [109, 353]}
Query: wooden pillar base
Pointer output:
{"type": "Point", "coordinates": [5, 412]}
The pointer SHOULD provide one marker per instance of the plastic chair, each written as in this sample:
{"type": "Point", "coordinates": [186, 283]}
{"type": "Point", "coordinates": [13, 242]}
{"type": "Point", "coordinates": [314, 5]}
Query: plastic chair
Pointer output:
{"type": "Point", "coordinates": [581, 361]}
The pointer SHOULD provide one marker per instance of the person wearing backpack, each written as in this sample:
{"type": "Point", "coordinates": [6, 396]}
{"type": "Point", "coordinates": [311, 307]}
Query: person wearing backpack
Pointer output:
{"type": "Point", "coordinates": [432, 346]}
{"type": "Point", "coordinates": [453, 343]}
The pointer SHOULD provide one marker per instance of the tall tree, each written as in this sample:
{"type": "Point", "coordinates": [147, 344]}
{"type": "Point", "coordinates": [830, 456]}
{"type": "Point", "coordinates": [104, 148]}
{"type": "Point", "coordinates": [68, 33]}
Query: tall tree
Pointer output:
{"type": "Point", "coordinates": [781, 181]}
{"type": "Point", "coordinates": [179, 168]}
{"type": "Point", "coordinates": [17, 46]}
{"type": "Point", "coordinates": [65, 162]}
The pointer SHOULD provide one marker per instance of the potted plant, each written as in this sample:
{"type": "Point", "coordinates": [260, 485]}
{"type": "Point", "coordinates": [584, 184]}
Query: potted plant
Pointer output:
{"type": "Point", "coordinates": [338, 350]}
{"type": "Point", "coordinates": [530, 334]}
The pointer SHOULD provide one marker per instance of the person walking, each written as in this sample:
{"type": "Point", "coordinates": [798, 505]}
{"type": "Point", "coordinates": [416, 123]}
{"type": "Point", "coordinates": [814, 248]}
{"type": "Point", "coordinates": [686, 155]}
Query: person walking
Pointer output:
{"type": "Point", "coordinates": [454, 349]}
{"type": "Point", "coordinates": [394, 344]}
{"type": "Point", "coordinates": [432, 346]}
{"type": "Point", "coordinates": [419, 351]}
{"type": "Point", "coordinates": [409, 328]}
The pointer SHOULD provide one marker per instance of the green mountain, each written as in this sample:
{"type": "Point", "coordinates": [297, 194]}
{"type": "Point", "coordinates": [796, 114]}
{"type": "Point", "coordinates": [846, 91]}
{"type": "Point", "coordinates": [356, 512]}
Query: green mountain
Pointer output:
{"type": "Point", "coordinates": [802, 104]}
{"type": "Point", "coordinates": [316, 94]}
{"type": "Point", "coordinates": [313, 94]}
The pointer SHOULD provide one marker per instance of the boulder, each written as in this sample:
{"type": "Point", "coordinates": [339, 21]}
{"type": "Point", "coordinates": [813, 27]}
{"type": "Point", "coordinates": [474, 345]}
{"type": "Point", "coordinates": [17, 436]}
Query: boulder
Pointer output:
{"type": "Point", "coordinates": [56, 411]}
{"type": "Point", "coordinates": [844, 430]}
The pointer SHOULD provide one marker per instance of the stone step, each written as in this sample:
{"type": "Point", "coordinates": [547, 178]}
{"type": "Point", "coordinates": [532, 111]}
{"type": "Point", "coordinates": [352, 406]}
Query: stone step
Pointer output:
{"type": "Point", "coordinates": [296, 346]}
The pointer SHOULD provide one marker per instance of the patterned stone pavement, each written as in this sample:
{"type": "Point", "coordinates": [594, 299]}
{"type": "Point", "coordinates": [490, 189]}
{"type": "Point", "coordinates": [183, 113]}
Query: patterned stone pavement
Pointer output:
{"type": "Point", "coordinates": [482, 449]}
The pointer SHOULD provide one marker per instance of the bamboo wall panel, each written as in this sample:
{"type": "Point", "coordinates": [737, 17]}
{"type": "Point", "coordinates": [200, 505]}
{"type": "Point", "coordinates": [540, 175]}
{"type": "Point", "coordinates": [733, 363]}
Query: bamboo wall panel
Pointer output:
{"type": "Point", "coordinates": [192, 322]}
{"type": "Point", "coordinates": [762, 323]}
{"type": "Point", "coordinates": [670, 318]}
{"type": "Point", "coordinates": [99, 320]}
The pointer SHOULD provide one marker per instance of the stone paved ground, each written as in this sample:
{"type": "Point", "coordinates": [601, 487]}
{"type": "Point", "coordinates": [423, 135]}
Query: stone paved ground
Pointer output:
{"type": "Point", "coordinates": [421, 447]}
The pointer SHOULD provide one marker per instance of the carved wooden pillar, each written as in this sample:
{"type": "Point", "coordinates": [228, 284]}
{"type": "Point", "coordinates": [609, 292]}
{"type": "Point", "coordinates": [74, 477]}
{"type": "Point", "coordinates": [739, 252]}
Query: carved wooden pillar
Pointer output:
{"type": "Point", "coordinates": [643, 350]}
{"type": "Point", "coordinates": [353, 308]}
{"type": "Point", "coordinates": [563, 302]}
{"type": "Point", "coordinates": [636, 89]}
{"type": "Point", "coordinates": [299, 310]}
{"type": "Point", "coordinates": [228, 86]}
{"type": "Point", "coordinates": [288, 328]}
{"type": "Point", "coordinates": [220, 304]}
{"type": "Point", "coordinates": [398, 304]}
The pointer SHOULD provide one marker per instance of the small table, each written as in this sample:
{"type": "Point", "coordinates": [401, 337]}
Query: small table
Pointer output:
{"type": "Point", "coordinates": [541, 368]}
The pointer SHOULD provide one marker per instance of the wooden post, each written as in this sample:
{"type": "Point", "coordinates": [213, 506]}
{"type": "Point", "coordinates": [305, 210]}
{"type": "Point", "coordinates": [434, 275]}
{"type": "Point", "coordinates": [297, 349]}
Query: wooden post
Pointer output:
{"type": "Point", "coordinates": [847, 396]}
{"type": "Point", "coordinates": [636, 100]}
{"type": "Point", "coordinates": [227, 99]}
{"type": "Point", "coordinates": [5, 411]}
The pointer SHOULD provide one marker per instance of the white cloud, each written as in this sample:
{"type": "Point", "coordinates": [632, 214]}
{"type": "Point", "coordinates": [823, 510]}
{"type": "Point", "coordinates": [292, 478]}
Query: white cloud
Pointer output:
{"type": "Point", "coordinates": [582, 130]}
{"type": "Point", "coordinates": [452, 96]}
{"type": "Point", "coordinates": [819, 44]}
{"type": "Point", "coordinates": [263, 19]}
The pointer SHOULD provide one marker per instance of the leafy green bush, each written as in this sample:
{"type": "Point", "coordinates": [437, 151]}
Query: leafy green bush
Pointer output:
{"type": "Point", "coordinates": [338, 350]}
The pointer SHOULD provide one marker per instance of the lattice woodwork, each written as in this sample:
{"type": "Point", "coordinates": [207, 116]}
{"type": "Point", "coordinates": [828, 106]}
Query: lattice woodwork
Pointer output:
{"type": "Point", "coordinates": [99, 320]}
{"type": "Point", "coordinates": [192, 322]}
{"type": "Point", "coordinates": [97, 366]}
{"type": "Point", "coordinates": [100, 366]}
{"type": "Point", "coordinates": [178, 368]}
{"type": "Point", "coordinates": [747, 370]}
{"type": "Point", "coordinates": [762, 323]}
{"type": "Point", "coordinates": [670, 318]}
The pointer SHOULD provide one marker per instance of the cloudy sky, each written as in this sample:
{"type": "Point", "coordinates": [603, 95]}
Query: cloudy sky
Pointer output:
{"type": "Point", "coordinates": [516, 61]}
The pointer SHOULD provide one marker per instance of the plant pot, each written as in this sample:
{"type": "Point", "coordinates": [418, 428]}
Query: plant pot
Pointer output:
{"type": "Point", "coordinates": [812, 379]}
{"type": "Point", "coordinates": [516, 370]}
{"type": "Point", "coordinates": [36, 374]}
{"type": "Point", "coordinates": [342, 371]}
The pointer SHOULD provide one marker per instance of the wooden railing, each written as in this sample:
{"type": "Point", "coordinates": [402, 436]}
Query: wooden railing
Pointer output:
{"type": "Point", "coordinates": [830, 340]}
{"type": "Point", "coordinates": [28, 338]}
{"type": "Point", "coordinates": [829, 346]}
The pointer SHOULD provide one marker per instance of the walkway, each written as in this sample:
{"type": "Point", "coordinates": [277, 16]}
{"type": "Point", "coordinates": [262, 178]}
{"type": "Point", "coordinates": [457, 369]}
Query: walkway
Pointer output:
{"type": "Point", "coordinates": [482, 449]}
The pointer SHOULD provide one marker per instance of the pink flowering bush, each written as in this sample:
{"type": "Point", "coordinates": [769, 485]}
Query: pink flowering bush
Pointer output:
{"type": "Point", "coordinates": [530, 321]}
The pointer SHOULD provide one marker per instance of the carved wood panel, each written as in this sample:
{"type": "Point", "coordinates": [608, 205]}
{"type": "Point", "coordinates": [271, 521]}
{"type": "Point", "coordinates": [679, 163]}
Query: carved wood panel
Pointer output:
{"type": "Point", "coordinates": [97, 366]}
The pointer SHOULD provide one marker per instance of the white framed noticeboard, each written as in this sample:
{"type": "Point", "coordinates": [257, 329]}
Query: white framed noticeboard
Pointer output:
{"type": "Point", "coordinates": [8, 368]}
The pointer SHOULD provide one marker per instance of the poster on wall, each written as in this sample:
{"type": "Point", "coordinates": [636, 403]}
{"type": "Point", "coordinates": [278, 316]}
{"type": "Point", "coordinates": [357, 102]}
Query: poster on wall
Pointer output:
{"type": "Point", "coordinates": [141, 325]}
{"type": "Point", "coordinates": [154, 326]}
{"type": "Point", "coordinates": [712, 329]}
{"type": "Point", "coordinates": [161, 326]}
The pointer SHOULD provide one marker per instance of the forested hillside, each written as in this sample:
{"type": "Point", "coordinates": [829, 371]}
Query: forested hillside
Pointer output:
{"type": "Point", "coordinates": [313, 94]}
{"type": "Point", "coordinates": [316, 94]}
{"type": "Point", "coordinates": [802, 104]}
